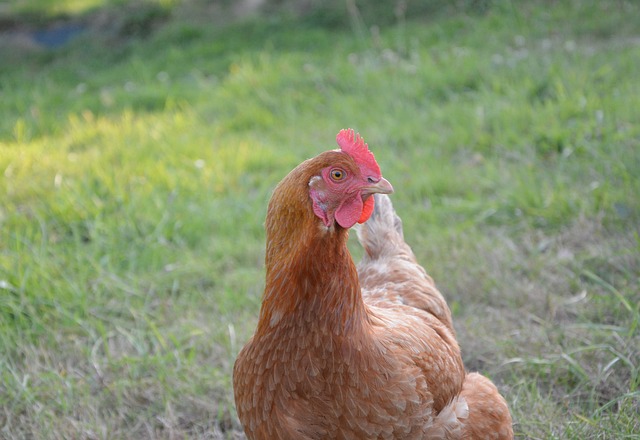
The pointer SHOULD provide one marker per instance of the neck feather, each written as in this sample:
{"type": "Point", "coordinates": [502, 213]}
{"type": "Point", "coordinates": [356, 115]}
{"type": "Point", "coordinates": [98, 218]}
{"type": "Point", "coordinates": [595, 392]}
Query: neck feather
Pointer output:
{"type": "Point", "coordinates": [311, 277]}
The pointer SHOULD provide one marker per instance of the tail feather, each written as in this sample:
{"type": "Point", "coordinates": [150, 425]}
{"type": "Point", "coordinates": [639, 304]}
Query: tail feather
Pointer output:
{"type": "Point", "coordinates": [384, 214]}
{"type": "Point", "coordinates": [391, 277]}
{"type": "Point", "coordinates": [382, 234]}
{"type": "Point", "coordinates": [389, 273]}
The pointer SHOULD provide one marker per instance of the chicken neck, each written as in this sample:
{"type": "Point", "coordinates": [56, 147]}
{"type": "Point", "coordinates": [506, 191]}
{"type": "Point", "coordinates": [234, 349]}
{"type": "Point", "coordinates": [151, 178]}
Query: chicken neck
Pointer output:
{"type": "Point", "coordinates": [311, 281]}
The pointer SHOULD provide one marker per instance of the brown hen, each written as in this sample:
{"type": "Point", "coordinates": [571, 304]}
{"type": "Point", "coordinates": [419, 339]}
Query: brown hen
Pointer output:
{"type": "Point", "coordinates": [346, 353]}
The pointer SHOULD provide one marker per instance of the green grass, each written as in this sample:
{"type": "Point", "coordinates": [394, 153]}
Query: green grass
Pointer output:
{"type": "Point", "coordinates": [136, 164]}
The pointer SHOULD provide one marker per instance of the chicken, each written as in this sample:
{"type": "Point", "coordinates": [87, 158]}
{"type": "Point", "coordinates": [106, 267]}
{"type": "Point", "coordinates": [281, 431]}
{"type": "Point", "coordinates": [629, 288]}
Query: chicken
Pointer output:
{"type": "Point", "coordinates": [346, 353]}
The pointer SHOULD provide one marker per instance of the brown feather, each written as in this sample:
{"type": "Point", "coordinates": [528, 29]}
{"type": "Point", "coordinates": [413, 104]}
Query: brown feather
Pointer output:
{"type": "Point", "coordinates": [332, 360]}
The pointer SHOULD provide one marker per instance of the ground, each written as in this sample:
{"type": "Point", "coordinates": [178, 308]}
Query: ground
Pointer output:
{"type": "Point", "coordinates": [138, 156]}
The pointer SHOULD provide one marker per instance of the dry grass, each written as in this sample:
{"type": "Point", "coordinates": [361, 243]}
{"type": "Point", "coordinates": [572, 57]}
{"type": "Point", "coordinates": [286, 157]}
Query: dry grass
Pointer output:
{"type": "Point", "coordinates": [543, 319]}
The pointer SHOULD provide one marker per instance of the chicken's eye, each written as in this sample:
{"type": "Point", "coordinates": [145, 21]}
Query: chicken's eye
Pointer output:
{"type": "Point", "coordinates": [337, 174]}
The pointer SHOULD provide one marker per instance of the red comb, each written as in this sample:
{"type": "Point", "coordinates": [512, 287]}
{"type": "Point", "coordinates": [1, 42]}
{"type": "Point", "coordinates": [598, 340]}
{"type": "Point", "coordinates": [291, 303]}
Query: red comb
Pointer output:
{"type": "Point", "coordinates": [351, 143]}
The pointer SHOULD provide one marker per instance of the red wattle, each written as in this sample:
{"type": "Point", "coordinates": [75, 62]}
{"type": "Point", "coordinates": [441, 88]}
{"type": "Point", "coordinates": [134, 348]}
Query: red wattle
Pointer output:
{"type": "Point", "coordinates": [367, 210]}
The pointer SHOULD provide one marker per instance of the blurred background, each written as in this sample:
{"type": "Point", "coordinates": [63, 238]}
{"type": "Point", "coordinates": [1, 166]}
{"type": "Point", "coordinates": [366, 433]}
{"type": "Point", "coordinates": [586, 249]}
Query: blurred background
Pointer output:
{"type": "Point", "coordinates": [140, 141]}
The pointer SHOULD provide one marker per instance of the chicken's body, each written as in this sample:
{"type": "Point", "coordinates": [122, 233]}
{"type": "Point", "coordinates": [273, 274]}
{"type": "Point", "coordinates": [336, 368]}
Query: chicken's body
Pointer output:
{"type": "Point", "coordinates": [341, 353]}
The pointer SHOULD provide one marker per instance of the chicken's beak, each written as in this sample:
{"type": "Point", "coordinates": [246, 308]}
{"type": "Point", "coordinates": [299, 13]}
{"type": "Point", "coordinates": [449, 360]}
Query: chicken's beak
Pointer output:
{"type": "Point", "coordinates": [382, 186]}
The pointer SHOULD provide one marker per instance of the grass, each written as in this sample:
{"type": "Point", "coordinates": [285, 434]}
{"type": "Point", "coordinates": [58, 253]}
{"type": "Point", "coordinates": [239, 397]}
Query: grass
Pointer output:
{"type": "Point", "coordinates": [137, 162]}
